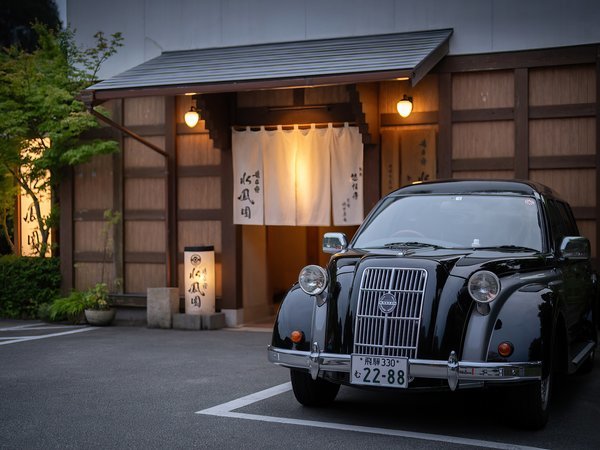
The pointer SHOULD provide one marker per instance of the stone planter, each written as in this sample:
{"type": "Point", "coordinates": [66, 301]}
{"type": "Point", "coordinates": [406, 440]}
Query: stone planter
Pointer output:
{"type": "Point", "coordinates": [100, 318]}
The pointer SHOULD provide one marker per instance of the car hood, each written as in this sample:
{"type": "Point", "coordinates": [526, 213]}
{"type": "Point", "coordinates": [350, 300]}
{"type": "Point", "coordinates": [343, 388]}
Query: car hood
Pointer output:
{"type": "Point", "coordinates": [446, 304]}
{"type": "Point", "coordinates": [457, 262]}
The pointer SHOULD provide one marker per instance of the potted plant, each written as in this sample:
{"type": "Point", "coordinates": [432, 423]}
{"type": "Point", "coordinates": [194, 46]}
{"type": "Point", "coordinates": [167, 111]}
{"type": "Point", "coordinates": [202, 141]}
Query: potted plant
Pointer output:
{"type": "Point", "coordinates": [97, 310]}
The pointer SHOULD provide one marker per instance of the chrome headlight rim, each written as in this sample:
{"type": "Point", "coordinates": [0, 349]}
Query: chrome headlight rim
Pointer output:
{"type": "Point", "coordinates": [484, 286]}
{"type": "Point", "coordinates": [313, 279]}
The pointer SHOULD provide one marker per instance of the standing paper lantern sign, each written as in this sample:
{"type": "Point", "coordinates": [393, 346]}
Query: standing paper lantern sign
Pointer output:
{"type": "Point", "coordinates": [199, 266]}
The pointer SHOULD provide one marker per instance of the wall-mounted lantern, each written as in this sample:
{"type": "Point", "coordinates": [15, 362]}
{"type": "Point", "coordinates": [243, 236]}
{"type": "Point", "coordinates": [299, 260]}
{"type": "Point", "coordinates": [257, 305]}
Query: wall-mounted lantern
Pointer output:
{"type": "Point", "coordinates": [192, 116]}
{"type": "Point", "coordinates": [405, 106]}
{"type": "Point", "coordinates": [199, 266]}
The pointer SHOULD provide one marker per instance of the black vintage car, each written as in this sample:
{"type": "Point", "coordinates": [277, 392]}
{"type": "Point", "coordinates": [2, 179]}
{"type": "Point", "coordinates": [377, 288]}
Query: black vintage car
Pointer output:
{"type": "Point", "coordinates": [453, 284]}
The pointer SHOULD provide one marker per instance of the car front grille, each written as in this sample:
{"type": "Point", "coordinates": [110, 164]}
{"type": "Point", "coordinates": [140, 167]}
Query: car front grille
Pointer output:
{"type": "Point", "coordinates": [395, 333]}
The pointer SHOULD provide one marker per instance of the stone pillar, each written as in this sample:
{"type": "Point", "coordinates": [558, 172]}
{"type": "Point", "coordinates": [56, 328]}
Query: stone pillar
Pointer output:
{"type": "Point", "coordinates": [162, 304]}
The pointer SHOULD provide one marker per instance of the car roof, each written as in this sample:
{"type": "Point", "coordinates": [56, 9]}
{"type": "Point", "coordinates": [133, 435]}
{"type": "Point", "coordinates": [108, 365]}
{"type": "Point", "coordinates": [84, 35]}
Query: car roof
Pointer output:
{"type": "Point", "coordinates": [482, 186]}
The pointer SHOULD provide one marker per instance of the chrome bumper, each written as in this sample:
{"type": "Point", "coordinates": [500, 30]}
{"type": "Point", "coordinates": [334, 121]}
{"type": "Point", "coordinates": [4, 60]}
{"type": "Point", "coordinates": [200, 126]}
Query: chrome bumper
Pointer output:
{"type": "Point", "coordinates": [451, 370]}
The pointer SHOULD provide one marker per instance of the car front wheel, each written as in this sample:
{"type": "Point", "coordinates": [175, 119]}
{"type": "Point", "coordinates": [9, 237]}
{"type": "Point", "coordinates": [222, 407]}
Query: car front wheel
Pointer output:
{"type": "Point", "coordinates": [311, 392]}
{"type": "Point", "coordinates": [531, 402]}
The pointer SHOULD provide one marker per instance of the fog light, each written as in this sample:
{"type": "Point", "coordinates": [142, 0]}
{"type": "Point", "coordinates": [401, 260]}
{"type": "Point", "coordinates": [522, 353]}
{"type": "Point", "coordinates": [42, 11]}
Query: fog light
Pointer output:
{"type": "Point", "coordinates": [297, 336]}
{"type": "Point", "coordinates": [505, 349]}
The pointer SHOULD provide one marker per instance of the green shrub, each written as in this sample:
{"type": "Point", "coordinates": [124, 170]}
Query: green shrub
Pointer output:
{"type": "Point", "coordinates": [68, 308]}
{"type": "Point", "coordinates": [26, 283]}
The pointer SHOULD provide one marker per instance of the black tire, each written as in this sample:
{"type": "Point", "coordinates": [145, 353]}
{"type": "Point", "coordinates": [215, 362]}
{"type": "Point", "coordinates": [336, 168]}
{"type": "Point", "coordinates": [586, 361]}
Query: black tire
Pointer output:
{"type": "Point", "coordinates": [311, 392]}
{"type": "Point", "coordinates": [529, 403]}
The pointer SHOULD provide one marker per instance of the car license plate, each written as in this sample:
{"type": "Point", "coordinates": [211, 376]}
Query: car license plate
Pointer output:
{"type": "Point", "coordinates": [383, 371]}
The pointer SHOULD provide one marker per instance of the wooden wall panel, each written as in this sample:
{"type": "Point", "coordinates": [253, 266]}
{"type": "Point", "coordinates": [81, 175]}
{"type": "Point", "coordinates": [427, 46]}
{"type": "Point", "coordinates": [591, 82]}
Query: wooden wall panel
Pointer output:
{"type": "Point", "coordinates": [89, 238]}
{"type": "Point", "coordinates": [576, 186]}
{"type": "Point", "coordinates": [481, 90]}
{"type": "Point", "coordinates": [417, 156]}
{"type": "Point", "coordinates": [486, 175]}
{"type": "Point", "coordinates": [144, 236]}
{"type": "Point", "coordinates": [144, 111]}
{"type": "Point", "coordinates": [562, 85]}
{"type": "Point", "coordinates": [137, 154]}
{"type": "Point", "coordinates": [587, 228]}
{"type": "Point", "coordinates": [199, 193]}
{"type": "Point", "coordinates": [553, 137]}
{"type": "Point", "coordinates": [424, 94]}
{"type": "Point", "coordinates": [276, 97]}
{"type": "Point", "coordinates": [326, 94]}
{"type": "Point", "coordinates": [142, 276]}
{"type": "Point", "coordinates": [199, 233]}
{"type": "Point", "coordinates": [93, 185]}
{"type": "Point", "coordinates": [88, 274]}
{"type": "Point", "coordinates": [483, 139]}
{"type": "Point", "coordinates": [197, 150]}
{"type": "Point", "coordinates": [145, 193]}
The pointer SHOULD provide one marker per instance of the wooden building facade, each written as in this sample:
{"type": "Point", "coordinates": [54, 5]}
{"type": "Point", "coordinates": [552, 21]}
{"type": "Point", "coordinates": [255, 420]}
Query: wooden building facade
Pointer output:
{"type": "Point", "coordinates": [525, 115]}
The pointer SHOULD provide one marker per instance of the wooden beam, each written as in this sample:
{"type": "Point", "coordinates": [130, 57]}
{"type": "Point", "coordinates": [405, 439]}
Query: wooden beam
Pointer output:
{"type": "Point", "coordinates": [199, 214]}
{"type": "Point", "coordinates": [257, 116]}
{"type": "Point", "coordinates": [482, 115]}
{"type": "Point", "coordinates": [444, 162]}
{"type": "Point", "coordinates": [358, 115]}
{"type": "Point", "coordinates": [66, 231]}
{"type": "Point", "coordinates": [563, 162]}
{"type": "Point", "coordinates": [119, 205]}
{"type": "Point", "coordinates": [199, 171]}
{"type": "Point", "coordinates": [172, 181]}
{"type": "Point", "coordinates": [521, 114]}
{"type": "Point", "coordinates": [583, 54]}
{"type": "Point", "coordinates": [585, 213]}
{"type": "Point", "coordinates": [416, 118]}
{"type": "Point", "coordinates": [562, 111]}
{"type": "Point", "coordinates": [145, 172]}
{"type": "Point", "coordinates": [482, 164]}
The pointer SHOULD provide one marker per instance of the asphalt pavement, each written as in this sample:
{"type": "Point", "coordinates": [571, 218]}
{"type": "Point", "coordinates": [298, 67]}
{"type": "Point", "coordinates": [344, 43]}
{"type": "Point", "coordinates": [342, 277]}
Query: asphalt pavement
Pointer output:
{"type": "Point", "coordinates": [134, 387]}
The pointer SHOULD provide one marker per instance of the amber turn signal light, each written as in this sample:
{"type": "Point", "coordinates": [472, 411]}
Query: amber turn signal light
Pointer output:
{"type": "Point", "coordinates": [297, 336]}
{"type": "Point", "coordinates": [505, 349]}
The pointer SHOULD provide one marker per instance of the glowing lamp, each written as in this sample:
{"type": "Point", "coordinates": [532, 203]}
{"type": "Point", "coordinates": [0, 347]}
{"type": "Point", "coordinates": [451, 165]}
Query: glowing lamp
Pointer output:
{"type": "Point", "coordinates": [405, 106]}
{"type": "Point", "coordinates": [199, 266]}
{"type": "Point", "coordinates": [191, 117]}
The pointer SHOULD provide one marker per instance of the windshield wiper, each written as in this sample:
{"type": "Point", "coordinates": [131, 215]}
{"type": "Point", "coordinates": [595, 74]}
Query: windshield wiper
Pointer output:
{"type": "Point", "coordinates": [413, 244]}
{"type": "Point", "coordinates": [507, 247]}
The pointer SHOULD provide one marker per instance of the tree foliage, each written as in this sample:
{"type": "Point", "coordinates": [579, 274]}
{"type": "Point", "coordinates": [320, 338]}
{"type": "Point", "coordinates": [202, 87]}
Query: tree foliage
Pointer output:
{"type": "Point", "coordinates": [41, 118]}
{"type": "Point", "coordinates": [16, 19]}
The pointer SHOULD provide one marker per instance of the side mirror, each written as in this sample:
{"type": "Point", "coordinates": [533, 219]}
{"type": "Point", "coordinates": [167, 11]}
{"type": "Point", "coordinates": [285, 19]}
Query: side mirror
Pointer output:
{"type": "Point", "coordinates": [334, 242]}
{"type": "Point", "coordinates": [575, 248]}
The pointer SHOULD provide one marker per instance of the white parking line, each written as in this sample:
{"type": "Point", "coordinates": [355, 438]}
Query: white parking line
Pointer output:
{"type": "Point", "coordinates": [226, 410]}
{"type": "Point", "coordinates": [17, 339]}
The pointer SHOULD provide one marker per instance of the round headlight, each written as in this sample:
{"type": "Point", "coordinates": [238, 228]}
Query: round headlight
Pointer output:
{"type": "Point", "coordinates": [313, 279]}
{"type": "Point", "coordinates": [484, 286]}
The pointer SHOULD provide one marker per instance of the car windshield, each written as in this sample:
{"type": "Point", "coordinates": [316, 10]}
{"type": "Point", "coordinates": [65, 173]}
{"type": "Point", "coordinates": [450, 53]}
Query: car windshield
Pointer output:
{"type": "Point", "coordinates": [454, 221]}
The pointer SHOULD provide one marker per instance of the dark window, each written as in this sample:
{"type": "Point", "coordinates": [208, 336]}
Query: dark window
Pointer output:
{"type": "Point", "coordinates": [562, 222]}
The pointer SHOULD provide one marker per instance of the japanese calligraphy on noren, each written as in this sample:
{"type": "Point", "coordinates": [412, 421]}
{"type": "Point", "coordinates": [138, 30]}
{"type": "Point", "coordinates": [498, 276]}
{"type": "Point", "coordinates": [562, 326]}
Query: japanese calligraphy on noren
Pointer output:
{"type": "Point", "coordinates": [248, 178]}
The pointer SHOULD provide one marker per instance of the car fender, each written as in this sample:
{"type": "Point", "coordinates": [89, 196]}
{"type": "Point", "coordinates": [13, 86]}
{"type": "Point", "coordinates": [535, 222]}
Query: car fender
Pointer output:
{"type": "Point", "coordinates": [526, 320]}
{"type": "Point", "coordinates": [295, 314]}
